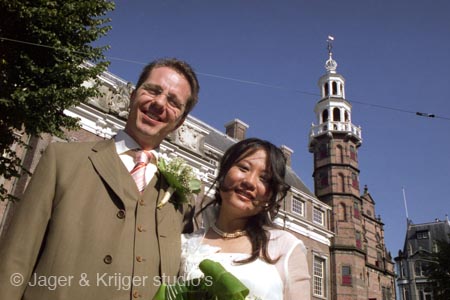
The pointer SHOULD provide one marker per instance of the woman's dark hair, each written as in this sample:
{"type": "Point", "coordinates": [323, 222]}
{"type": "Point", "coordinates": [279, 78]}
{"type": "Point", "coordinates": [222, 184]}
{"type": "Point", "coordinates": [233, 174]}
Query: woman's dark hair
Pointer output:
{"type": "Point", "coordinates": [182, 68]}
{"type": "Point", "coordinates": [276, 167]}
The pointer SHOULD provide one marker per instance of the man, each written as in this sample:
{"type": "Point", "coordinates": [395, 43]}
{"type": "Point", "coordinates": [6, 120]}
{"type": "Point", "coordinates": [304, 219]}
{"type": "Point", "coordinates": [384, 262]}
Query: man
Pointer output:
{"type": "Point", "coordinates": [83, 230]}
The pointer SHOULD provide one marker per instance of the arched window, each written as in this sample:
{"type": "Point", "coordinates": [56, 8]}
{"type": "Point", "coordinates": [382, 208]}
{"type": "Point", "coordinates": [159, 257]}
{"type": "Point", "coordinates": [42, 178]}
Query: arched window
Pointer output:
{"type": "Point", "coordinates": [336, 114]}
{"type": "Point", "coordinates": [341, 182]}
{"type": "Point", "coordinates": [339, 154]}
{"type": "Point", "coordinates": [353, 152]}
{"type": "Point", "coordinates": [325, 115]}
{"type": "Point", "coordinates": [355, 182]}
{"type": "Point", "coordinates": [325, 86]}
{"type": "Point", "coordinates": [342, 216]}
{"type": "Point", "coordinates": [322, 179]}
{"type": "Point", "coordinates": [334, 88]}
{"type": "Point", "coordinates": [346, 118]}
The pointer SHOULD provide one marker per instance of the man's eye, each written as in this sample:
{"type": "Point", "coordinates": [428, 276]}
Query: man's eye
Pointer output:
{"type": "Point", "coordinates": [153, 91]}
{"type": "Point", "coordinates": [174, 103]}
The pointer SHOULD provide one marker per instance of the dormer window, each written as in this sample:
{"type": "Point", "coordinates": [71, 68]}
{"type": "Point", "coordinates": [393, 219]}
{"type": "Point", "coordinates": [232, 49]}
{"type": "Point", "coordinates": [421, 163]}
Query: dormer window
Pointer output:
{"type": "Point", "coordinates": [421, 235]}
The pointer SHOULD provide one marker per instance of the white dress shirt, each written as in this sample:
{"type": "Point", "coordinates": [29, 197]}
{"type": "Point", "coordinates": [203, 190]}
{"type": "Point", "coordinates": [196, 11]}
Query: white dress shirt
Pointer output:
{"type": "Point", "coordinates": [125, 146]}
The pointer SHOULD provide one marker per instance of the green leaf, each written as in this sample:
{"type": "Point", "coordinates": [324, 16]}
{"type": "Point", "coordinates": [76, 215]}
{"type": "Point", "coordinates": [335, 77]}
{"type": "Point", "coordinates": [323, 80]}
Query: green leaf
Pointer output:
{"type": "Point", "coordinates": [216, 284]}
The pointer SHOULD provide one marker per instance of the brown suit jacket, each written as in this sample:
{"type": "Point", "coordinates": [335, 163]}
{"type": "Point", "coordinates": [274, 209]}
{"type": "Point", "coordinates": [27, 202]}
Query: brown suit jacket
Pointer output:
{"type": "Point", "coordinates": [83, 231]}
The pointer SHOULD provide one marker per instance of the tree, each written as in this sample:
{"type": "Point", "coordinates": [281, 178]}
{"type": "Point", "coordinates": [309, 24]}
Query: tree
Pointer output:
{"type": "Point", "coordinates": [439, 270]}
{"type": "Point", "coordinates": [44, 47]}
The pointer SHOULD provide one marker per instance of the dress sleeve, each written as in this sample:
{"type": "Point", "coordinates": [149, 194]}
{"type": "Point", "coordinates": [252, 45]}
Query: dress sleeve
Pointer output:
{"type": "Point", "coordinates": [298, 280]}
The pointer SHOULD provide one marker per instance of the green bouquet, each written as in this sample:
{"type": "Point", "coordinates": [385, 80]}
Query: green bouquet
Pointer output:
{"type": "Point", "coordinates": [216, 284]}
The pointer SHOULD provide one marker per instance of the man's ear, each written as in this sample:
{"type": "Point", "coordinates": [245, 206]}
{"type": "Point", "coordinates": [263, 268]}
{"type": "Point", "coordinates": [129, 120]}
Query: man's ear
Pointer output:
{"type": "Point", "coordinates": [132, 96]}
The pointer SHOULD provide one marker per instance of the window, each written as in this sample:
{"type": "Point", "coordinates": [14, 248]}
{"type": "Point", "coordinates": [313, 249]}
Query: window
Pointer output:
{"type": "Point", "coordinates": [355, 182]}
{"type": "Point", "coordinates": [356, 212]}
{"type": "Point", "coordinates": [346, 275]}
{"type": "Point", "coordinates": [421, 235]}
{"type": "Point", "coordinates": [318, 216]}
{"type": "Point", "coordinates": [353, 153]}
{"type": "Point", "coordinates": [323, 151]}
{"type": "Point", "coordinates": [425, 292]}
{"type": "Point", "coordinates": [420, 268]}
{"type": "Point", "coordinates": [341, 182]}
{"type": "Point", "coordinates": [322, 179]}
{"type": "Point", "coordinates": [334, 88]}
{"type": "Point", "coordinates": [339, 154]}
{"type": "Point", "coordinates": [358, 240]}
{"type": "Point", "coordinates": [342, 212]}
{"type": "Point", "coordinates": [336, 114]}
{"type": "Point", "coordinates": [318, 276]}
{"type": "Point", "coordinates": [325, 116]}
{"type": "Point", "coordinates": [386, 293]}
{"type": "Point", "coordinates": [298, 206]}
{"type": "Point", "coordinates": [379, 262]}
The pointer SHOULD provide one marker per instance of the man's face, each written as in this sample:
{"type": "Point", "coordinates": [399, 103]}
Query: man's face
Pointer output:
{"type": "Point", "coordinates": [157, 107]}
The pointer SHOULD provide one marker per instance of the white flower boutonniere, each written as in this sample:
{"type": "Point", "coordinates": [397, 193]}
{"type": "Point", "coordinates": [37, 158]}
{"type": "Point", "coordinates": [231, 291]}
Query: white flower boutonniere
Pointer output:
{"type": "Point", "coordinates": [181, 179]}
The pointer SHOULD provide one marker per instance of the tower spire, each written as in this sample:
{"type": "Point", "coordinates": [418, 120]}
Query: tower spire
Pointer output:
{"type": "Point", "coordinates": [330, 64]}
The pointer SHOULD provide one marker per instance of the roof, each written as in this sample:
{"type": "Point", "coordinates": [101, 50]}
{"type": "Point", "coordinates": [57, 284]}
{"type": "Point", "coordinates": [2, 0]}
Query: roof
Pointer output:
{"type": "Point", "coordinates": [420, 237]}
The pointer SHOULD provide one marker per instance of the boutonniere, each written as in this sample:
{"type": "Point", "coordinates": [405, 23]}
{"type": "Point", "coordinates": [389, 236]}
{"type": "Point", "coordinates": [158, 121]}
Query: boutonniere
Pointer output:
{"type": "Point", "coordinates": [181, 178]}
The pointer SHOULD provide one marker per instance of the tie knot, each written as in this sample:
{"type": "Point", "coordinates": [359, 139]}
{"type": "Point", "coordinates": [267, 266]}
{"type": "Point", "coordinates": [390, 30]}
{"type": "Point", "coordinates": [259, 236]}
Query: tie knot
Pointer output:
{"type": "Point", "coordinates": [143, 156]}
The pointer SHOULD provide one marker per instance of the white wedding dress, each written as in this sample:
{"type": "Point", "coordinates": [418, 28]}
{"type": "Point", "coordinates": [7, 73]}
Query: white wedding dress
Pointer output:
{"type": "Point", "coordinates": [286, 279]}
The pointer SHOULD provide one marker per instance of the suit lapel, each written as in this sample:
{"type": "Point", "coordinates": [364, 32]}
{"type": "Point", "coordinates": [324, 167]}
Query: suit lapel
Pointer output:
{"type": "Point", "coordinates": [111, 169]}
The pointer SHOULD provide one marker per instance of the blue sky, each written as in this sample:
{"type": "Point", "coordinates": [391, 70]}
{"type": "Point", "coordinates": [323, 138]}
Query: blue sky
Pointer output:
{"type": "Point", "coordinates": [259, 61]}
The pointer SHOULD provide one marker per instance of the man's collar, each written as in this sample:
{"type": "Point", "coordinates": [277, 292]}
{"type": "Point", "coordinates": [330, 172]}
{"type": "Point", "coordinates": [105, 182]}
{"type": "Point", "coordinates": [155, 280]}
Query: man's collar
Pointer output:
{"type": "Point", "coordinates": [125, 143]}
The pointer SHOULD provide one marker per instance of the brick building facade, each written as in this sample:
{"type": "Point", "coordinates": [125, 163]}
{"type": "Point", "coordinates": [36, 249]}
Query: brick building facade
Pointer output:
{"type": "Point", "coordinates": [361, 266]}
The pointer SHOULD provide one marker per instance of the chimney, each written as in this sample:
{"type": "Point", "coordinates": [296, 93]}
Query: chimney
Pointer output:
{"type": "Point", "coordinates": [236, 129]}
{"type": "Point", "coordinates": [287, 153]}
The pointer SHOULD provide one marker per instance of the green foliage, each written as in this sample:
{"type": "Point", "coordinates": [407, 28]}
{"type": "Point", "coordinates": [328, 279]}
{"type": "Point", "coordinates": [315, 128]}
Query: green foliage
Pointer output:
{"type": "Point", "coordinates": [216, 284]}
{"type": "Point", "coordinates": [439, 271]}
{"type": "Point", "coordinates": [43, 47]}
{"type": "Point", "coordinates": [180, 177]}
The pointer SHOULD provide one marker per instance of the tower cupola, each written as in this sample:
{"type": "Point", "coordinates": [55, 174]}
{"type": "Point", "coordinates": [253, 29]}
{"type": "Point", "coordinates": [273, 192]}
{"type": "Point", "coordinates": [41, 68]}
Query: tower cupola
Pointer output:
{"type": "Point", "coordinates": [333, 112]}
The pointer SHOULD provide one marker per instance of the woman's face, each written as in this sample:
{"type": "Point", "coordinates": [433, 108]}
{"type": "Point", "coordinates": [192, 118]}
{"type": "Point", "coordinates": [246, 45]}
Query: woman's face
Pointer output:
{"type": "Point", "coordinates": [245, 189]}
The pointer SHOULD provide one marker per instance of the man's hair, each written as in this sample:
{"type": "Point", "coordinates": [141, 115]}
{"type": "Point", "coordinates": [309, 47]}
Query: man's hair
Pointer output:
{"type": "Point", "coordinates": [182, 68]}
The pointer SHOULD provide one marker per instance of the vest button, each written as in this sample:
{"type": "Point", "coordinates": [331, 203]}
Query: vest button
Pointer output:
{"type": "Point", "coordinates": [121, 214]}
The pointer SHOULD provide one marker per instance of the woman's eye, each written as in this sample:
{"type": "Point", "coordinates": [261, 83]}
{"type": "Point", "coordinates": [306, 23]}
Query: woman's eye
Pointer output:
{"type": "Point", "coordinates": [243, 167]}
{"type": "Point", "coordinates": [264, 179]}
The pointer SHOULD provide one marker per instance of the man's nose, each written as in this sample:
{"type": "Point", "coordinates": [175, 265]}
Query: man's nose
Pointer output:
{"type": "Point", "coordinates": [161, 100]}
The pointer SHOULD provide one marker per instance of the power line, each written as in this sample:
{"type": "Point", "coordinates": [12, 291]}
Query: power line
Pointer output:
{"type": "Point", "coordinates": [421, 114]}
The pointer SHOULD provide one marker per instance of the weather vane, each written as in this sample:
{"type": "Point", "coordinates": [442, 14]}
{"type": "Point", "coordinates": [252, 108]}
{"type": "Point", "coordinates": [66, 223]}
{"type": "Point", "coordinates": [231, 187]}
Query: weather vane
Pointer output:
{"type": "Point", "coordinates": [330, 40]}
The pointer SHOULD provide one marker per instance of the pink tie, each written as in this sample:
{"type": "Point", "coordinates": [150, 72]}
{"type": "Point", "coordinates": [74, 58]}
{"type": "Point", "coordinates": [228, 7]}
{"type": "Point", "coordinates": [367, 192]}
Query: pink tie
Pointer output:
{"type": "Point", "coordinates": [142, 158]}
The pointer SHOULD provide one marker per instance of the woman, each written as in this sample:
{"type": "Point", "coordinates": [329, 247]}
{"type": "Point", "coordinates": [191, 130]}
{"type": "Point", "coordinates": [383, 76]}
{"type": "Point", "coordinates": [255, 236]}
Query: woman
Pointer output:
{"type": "Point", "coordinates": [270, 262]}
